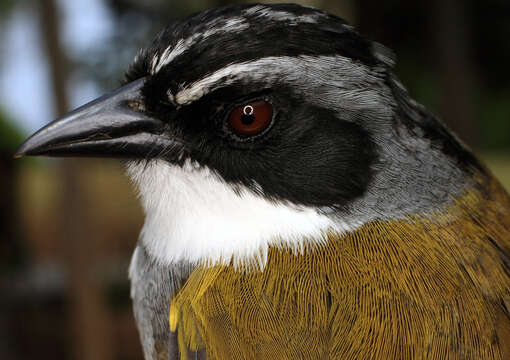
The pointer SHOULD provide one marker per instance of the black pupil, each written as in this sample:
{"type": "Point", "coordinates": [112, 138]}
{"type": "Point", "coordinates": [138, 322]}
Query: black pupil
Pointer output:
{"type": "Point", "coordinates": [247, 119]}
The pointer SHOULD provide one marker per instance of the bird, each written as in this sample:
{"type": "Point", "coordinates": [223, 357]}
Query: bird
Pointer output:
{"type": "Point", "coordinates": [299, 204]}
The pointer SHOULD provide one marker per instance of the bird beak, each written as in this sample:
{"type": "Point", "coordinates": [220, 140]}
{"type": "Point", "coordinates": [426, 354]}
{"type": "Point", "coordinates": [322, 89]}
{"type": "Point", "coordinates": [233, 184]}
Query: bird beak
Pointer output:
{"type": "Point", "coordinates": [113, 125]}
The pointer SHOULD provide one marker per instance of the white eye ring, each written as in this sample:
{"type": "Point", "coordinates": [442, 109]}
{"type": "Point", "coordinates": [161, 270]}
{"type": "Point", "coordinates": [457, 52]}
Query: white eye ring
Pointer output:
{"type": "Point", "coordinates": [248, 110]}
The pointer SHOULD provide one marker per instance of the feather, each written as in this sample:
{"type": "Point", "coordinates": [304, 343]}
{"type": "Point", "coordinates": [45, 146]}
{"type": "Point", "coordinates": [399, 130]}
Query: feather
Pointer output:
{"type": "Point", "coordinates": [431, 287]}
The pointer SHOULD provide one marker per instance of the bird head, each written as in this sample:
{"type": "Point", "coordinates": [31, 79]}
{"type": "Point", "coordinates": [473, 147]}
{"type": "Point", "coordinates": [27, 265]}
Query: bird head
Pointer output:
{"type": "Point", "coordinates": [253, 126]}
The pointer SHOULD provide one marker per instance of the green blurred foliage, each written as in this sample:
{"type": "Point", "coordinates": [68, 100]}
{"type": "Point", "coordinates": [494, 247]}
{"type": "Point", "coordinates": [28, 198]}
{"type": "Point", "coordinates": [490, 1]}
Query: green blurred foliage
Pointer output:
{"type": "Point", "coordinates": [494, 118]}
{"type": "Point", "coordinates": [10, 136]}
{"type": "Point", "coordinates": [5, 7]}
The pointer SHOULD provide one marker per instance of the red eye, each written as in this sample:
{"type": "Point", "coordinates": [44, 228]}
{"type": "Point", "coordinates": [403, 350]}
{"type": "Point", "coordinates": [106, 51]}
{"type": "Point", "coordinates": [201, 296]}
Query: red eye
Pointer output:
{"type": "Point", "coordinates": [251, 118]}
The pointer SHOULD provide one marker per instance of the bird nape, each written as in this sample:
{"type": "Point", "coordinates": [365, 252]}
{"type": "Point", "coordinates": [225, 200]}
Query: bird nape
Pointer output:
{"type": "Point", "coordinates": [299, 204]}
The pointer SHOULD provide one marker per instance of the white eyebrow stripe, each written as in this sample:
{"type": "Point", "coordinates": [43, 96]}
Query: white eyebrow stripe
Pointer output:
{"type": "Point", "coordinates": [172, 52]}
{"type": "Point", "coordinates": [344, 84]}
{"type": "Point", "coordinates": [269, 69]}
{"type": "Point", "coordinates": [219, 78]}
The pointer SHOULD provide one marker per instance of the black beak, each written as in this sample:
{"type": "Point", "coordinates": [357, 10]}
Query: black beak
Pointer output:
{"type": "Point", "coordinates": [113, 125]}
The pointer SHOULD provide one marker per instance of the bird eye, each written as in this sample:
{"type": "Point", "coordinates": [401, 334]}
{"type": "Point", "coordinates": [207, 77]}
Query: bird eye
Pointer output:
{"type": "Point", "coordinates": [251, 118]}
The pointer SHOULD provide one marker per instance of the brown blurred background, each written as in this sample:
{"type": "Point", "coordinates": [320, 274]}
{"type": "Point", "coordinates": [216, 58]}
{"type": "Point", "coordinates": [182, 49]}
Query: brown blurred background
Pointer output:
{"type": "Point", "coordinates": [68, 227]}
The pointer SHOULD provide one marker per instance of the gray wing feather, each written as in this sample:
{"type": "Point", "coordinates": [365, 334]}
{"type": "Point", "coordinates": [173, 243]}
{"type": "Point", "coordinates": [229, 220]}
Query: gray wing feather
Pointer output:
{"type": "Point", "coordinates": [152, 287]}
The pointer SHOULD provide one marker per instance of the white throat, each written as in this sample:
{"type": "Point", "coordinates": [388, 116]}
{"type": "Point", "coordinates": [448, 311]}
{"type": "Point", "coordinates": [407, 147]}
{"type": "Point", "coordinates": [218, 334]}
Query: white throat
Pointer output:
{"type": "Point", "coordinates": [193, 215]}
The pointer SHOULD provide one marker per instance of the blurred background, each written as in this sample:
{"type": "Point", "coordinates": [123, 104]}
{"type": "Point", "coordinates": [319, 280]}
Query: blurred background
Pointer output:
{"type": "Point", "coordinates": [68, 227]}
